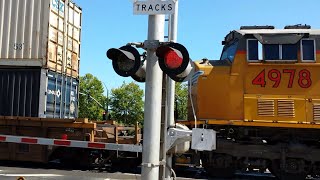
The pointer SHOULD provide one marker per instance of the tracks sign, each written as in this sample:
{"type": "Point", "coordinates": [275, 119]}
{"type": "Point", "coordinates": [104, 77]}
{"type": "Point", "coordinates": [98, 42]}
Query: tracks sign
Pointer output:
{"type": "Point", "coordinates": [152, 7]}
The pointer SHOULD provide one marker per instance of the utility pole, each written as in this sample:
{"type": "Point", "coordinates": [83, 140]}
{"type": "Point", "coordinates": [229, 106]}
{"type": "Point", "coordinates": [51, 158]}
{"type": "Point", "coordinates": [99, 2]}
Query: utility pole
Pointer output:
{"type": "Point", "coordinates": [107, 99]}
{"type": "Point", "coordinates": [152, 108]}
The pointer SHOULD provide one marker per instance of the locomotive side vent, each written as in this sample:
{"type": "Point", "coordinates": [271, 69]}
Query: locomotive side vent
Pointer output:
{"type": "Point", "coordinates": [286, 108]}
{"type": "Point", "coordinates": [316, 112]}
{"type": "Point", "coordinates": [265, 107]}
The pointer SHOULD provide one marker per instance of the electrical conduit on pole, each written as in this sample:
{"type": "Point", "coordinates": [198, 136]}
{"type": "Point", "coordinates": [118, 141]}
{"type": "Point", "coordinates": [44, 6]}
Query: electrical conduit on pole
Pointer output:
{"type": "Point", "coordinates": [152, 108]}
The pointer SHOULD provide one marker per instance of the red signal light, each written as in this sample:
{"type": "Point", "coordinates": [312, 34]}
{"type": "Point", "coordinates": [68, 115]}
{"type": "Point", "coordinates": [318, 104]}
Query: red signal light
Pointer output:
{"type": "Point", "coordinates": [172, 59]}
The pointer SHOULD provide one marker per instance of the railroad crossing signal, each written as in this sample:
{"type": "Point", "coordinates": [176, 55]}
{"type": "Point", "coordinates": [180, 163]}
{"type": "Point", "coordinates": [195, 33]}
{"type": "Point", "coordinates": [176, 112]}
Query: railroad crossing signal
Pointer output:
{"type": "Point", "coordinates": [174, 60]}
{"type": "Point", "coordinates": [126, 61]}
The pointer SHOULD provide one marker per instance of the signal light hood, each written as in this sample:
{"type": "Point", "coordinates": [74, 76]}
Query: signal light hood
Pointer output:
{"type": "Point", "coordinates": [124, 53]}
{"type": "Point", "coordinates": [140, 75]}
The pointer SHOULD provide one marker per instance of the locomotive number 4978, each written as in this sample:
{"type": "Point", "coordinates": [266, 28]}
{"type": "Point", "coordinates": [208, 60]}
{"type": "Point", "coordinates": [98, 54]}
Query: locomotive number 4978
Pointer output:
{"type": "Point", "coordinates": [304, 77]}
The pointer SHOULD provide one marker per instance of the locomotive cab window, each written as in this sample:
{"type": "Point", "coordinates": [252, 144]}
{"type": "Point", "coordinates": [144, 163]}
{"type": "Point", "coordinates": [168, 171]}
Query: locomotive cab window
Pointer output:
{"type": "Point", "coordinates": [280, 52]}
{"type": "Point", "coordinates": [254, 50]}
{"type": "Point", "coordinates": [289, 51]}
{"type": "Point", "coordinates": [308, 50]}
{"type": "Point", "coordinates": [271, 52]}
{"type": "Point", "coordinates": [229, 51]}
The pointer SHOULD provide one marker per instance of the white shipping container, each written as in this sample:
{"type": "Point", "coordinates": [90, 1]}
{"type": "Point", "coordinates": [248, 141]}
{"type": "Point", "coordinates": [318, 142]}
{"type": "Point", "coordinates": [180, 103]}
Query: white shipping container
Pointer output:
{"type": "Point", "coordinates": [33, 33]}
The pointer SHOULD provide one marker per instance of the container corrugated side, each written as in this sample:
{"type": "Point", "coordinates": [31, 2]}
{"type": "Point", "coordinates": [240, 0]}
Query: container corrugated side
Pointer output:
{"type": "Point", "coordinates": [32, 33]}
{"type": "Point", "coordinates": [24, 30]}
{"type": "Point", "coordinates": [19, 92]}
{"type": "Point", "coordinates": [35, 92]}
{"type": "Point", "coordinates": [64, 39]}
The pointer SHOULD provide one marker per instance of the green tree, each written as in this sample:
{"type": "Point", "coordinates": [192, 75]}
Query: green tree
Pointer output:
{"type": "Point", "coordinates": [126, 104]}
{"type": "Point", "coordinates": [88, 108]}
{"type": "Point", "coordinates": [181, 100]}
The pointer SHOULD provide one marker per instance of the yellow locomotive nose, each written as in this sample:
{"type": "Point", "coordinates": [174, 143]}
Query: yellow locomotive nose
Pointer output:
{"type": "Point", "coordinates": [265, 88]}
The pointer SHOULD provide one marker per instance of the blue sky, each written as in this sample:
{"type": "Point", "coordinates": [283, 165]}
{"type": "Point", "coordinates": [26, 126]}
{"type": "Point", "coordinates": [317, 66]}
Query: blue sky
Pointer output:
{"type": "Point", "coordinates": [202, 25]}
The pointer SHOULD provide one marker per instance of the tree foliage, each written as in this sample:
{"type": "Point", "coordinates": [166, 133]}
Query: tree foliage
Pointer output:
{"type": "Point", "coordinates": [181, 101]}
{"type": "Point", "coordinates": [88, 108]}
{"type": "Point", "coordinates": [126, 103]}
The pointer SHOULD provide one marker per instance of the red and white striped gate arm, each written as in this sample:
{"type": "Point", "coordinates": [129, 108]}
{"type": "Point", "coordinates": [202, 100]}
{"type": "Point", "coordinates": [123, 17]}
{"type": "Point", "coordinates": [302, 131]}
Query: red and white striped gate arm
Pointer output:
{"type": "Point", "coordinates": [70, 143]}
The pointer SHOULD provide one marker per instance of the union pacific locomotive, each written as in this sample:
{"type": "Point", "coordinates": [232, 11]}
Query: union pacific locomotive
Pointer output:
{"type": "Point", "coordinates": [263, 99]}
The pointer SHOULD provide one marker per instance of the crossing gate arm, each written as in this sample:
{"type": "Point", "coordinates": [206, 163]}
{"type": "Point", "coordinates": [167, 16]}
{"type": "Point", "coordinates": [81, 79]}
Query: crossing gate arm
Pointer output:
{"type": "Point", "coordinates": [70, 143]}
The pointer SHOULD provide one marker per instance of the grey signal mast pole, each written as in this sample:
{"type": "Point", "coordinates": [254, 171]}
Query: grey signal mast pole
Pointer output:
{"type": "Point", "coordinates": [152, 107]}
{"type": "Point", "coordinates": [173, 29]}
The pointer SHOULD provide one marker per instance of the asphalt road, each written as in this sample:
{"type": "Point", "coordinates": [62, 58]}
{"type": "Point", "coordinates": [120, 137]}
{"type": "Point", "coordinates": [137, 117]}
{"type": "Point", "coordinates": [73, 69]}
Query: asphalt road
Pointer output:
{"type": "Point", "coordinates": [32, 171]}
{"type": "Point", "coordinates": [12, 171]}
{"type": "Point", "coordinates": [39, 173]}
{"type": "Point", "coordinates": [43, 173]}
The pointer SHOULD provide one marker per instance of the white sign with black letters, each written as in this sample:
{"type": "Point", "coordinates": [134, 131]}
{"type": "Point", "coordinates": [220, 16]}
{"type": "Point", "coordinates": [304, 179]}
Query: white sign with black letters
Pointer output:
{"type": "Point", "coordinates": [152, 7]}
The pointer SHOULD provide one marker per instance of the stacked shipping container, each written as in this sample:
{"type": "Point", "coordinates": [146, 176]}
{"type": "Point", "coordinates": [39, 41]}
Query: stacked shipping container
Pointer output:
{"type": "Point", "coordinates": [39, 58]}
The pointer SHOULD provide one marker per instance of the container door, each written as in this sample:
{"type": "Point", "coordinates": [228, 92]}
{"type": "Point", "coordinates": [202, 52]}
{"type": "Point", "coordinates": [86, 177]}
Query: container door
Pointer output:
{"type": "Point", "coordinates": [62, 96]}
{"type": "Point", "coordinates": [71, 97]}
{"type": "Point", "coordinates": [53, 95]}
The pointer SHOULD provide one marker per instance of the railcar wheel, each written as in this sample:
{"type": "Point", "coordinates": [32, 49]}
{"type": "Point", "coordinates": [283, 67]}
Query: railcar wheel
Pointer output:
{"type": "Point", "coordinates": [293, 169]}
{"type": "Point", "coordinates": [219, 165]}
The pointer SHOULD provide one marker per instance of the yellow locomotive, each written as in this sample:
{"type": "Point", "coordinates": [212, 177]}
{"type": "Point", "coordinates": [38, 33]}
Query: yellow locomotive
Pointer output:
{"type": "Point", "coordinates": [263, 99]}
